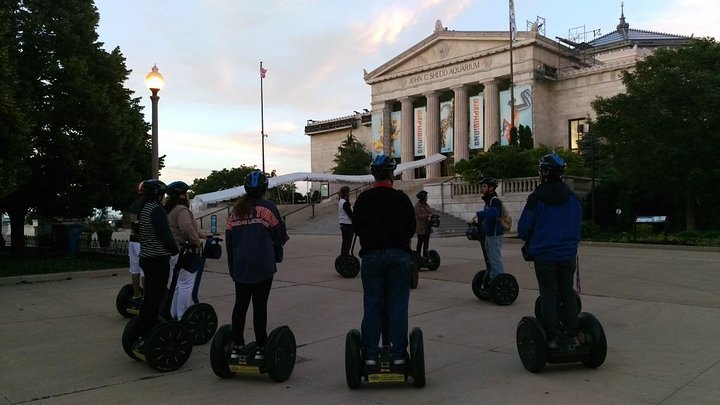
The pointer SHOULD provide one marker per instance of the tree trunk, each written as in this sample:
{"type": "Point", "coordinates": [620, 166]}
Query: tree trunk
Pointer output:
{"type": "Point", "coordinates": [17, 228]}
{"type": "Point", "coordinates": [690, 213]}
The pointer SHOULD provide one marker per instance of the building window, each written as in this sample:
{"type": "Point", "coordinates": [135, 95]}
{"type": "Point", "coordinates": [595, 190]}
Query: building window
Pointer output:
{"type": "Point", "coordinates": [574, 133]}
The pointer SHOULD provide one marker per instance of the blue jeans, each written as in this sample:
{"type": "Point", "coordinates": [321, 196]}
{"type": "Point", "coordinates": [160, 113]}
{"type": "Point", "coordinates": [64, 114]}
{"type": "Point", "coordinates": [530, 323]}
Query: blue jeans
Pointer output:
{"type": "Point", "coordinates": [555, 280]}
{"type": "Point", "coordinates": [493, 245]}
{"type": "Point", "coordinates": [386, 290]}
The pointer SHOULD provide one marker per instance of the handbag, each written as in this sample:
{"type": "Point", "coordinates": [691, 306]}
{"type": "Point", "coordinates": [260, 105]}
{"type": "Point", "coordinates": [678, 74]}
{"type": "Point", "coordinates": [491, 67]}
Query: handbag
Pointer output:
{"type": "Point", "coordinates": [190, 260]}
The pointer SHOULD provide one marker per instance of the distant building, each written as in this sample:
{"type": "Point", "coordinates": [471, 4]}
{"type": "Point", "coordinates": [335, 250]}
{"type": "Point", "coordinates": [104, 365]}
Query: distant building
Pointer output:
{"type": "Point", "coordinates": [450, 93]}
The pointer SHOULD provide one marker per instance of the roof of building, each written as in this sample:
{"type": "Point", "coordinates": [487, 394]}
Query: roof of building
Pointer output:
{"type": "Point", "coordinates": [625, 36]}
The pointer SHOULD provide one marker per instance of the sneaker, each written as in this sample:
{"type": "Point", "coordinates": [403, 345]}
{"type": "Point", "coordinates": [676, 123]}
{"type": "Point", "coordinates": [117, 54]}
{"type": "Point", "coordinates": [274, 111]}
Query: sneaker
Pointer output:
{"type": "Point", "coordinates": [371, 363]}
{"type": "Point", "coordinates": [260, 353]}
{"type": "Point", "coordinates": [235, 353]}
{"type": "Point", "coordinates": [398, 362]}
{"type": "Point", "coordinates": [136, 302]}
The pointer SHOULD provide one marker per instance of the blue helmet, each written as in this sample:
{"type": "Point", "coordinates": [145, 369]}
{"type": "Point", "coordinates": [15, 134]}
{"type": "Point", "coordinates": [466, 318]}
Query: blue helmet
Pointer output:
{"type": "Point", "coordinates": [382, 167]}
{"type": "Point", "coordinates": [256, 183]}
{"type": "Point", "coordinates": [551, 166]}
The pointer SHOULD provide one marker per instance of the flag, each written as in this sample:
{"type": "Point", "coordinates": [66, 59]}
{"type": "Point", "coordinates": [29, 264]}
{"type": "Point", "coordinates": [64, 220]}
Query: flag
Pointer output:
{"type": "Point", "coordinates": [513, 27]}
{"type": "Point", "coordinates": [262, 72]}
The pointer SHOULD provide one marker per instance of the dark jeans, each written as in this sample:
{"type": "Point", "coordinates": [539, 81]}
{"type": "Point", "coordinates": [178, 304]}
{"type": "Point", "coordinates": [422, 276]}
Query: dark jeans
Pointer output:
{"type": "Point", "coordinates": [423, 242]}
{"type": "Point", "coordinates": [555, 279]}
{"type": "Point", "coordinates": [386, 288]}
{"type": "Point", "coordinates": [347, 237]}
{"type": "Point", "coordinates": [157, 271]}
{"type": "Point", "coordinates": [259, 293]}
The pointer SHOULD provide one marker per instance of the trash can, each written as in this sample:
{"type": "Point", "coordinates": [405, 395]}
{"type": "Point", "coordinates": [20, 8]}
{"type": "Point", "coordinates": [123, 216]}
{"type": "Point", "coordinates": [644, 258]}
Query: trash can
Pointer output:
{"type": "Point", "coordinates": [73, 232]}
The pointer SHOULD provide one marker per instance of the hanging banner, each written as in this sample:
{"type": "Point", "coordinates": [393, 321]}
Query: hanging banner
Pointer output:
{"type": "Point", "coordinates": [476, 140]}
{"type": "Point", "coordinates": [377, 135]}
{"type": "Point", "coordinates": [523, 110]}
{"type": "Point", "coordinates": [396, 134]}
{"type": "Point", "coordinates": [419, 131]}
{"type": "Point", "coordinates": [447, 115]}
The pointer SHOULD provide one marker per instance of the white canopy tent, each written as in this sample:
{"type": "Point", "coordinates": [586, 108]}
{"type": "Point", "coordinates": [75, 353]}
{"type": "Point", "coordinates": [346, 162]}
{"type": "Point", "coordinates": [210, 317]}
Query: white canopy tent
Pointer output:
{"type": "Point", "coordinates": [232, 193]}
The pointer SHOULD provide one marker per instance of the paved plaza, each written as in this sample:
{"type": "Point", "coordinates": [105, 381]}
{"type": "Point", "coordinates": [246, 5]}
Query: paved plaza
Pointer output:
{"type": "Point", "coordinates": [659, 306]}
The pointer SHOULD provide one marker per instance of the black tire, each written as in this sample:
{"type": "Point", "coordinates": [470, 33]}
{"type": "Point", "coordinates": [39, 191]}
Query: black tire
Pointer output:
{"type": "Point", "coordinates": [220, 349]}
{"type": "Point", "coordinates": [353, 358]}
{"type": "Point", "coordinates": [202, 321]}
{"type": "Point", "coordinates": [538, 305]}
{"type": "Point", "coordinates": [168, 346]}
{"type": "Point", "coordinates": [347, 266]}
{"type": "Point", "coordinates": [433, 260]}
{"type": "Point", "coordinates": [595, 339]}
{"type": "Point", "coordinates": [414, 275]}
{"type": "Point", "coordinates": [129, 337]}
{"type": "Point", "coordinates": [123, 300]}
{"type": "Point", "coordinates": [531, 344]}
{"type": "Point", "coordinates": [477, 286]}
{"type": "Point", "coordinates": [280, 354]}
{"type": "Point", "coordinates": [504, 289]}
{"type": "Point", "coordinates": [417, 357]}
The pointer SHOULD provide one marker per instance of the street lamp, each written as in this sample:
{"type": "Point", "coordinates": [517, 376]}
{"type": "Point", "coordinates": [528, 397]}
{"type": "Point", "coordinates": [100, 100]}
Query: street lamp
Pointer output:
{"type": "Point", "coordinates": [154, 81]}
{"type": "Point", "coordinates": [584, 129]}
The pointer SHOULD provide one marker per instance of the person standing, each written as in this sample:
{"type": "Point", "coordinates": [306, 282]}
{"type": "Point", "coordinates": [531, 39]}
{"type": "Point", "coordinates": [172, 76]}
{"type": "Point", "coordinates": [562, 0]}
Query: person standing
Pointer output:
{"type": "Point", "coordinates": [184, 229]}
{"type": "Point", "coordinates": [134, 250]}
{"type": "Point", "coordinates": [422, 225]}
{"type": "Point", "coordinates": [491, 225]}
{"type": "Point", "coordinates": [384, 221]}
{"type": "Point", "coordinates": [551, 223]}
{"type": "Point", "coordinates": [345, 215]}
{"type": "Point", "coordinates": [156, 246]}
{"type": "Point", "coordinates": [254, 236]}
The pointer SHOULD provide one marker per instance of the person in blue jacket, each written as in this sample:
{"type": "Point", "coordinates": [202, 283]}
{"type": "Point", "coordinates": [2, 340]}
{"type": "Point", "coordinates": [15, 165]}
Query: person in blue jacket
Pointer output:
{"type": "Point", "coordinates": [551, 224]}
{"type": "Point", "coordinates": [492, 228]}
{"type": "Point", "coordinates": [254, 236]}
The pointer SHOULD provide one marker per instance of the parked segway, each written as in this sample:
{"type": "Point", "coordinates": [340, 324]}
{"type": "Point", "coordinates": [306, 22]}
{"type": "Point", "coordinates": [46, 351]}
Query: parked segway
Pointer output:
{"type": "Point", "coordinates": [533, 348]}
{"type": "Point", "coordinates": [348, 266]}
{"type": "Point", "coordinates": [503, 289]}
{"type": "Point", "coordinates": [124, 301]}
{"type": "Point", "coordinates": [278, 363]}
{"type": "Point", "coordinates": [384, 371]}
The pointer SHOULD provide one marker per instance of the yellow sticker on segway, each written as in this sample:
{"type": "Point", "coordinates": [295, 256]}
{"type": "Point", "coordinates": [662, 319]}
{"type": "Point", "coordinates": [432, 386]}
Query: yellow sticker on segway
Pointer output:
{"type": "Point", "coordinates": [386, 378]}
{"type": "Point", "coordinates": [244, 369]}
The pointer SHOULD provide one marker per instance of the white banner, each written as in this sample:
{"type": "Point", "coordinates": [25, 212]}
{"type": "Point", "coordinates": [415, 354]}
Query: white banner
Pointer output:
{"type": "Point", "coordinates": [419, 130]}
{"type": "Point", "coordinates": [447, 123]}
{"type": "Point", "coordinates": [477, 123]}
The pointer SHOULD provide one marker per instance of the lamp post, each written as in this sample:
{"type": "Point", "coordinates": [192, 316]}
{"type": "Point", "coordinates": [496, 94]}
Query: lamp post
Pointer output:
{"type": "Point", "coordinates": [584, 129]}
{"type": "Point", "coordinates": [155, 81]}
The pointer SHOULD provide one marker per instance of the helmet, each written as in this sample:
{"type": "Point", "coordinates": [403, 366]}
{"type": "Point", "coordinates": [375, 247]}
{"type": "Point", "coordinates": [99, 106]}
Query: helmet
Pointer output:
{"type": "Point", "coordinates": [422, 194]}
{"type": "Point", "coordinates": [256, 183]}
{"type": "Point", "coordinates": [153, 188]}
{"type": "Point", "coordinates": [489, 181]}
{"type": "Point", "coordinates": [382, 167]}
{"type": "Point", "coordinates": [177, 187]}
{"type": "Point", "coordinates": [552, 163]}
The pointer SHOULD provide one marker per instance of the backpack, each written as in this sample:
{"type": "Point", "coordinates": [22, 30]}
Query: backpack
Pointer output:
{"type": "Point", "coordinates": [505, 218]}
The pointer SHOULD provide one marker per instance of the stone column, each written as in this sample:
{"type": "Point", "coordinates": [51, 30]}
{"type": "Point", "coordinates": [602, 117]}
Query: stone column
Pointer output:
{"type": "Point", "coordinates": [492, 113]}
{"type": "Point", "coordinates": [432, 141]}
{"type": "Point", "coordinates": [387, 127]}
{"type": "Point", "coordinates": [408, 151]}
{"type": "Point", "coordinates": [461, 127]}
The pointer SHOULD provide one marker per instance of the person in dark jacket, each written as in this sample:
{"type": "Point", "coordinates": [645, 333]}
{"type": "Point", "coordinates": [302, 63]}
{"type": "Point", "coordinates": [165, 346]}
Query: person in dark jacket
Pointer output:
{"type": "Point", "coordinates": [157, 245]}
{"type": "Point", "coordinates": [384, 221]}
{"type": "Point", "coordinates": [423, 213]}
{"type": "Point", "coordinates": [551, 223]}
{"type": "Point", "coordinates": [494, 232]}
{"type": "Point", "coordinates": [254, 237]}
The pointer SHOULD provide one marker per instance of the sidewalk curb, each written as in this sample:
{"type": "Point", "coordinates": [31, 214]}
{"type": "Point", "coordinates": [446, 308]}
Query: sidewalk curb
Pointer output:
{"type": "Point", "coordinates": [43, 278]}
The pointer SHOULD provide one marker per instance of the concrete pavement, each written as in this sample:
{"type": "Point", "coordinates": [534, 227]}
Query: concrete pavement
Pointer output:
{"type": "Point", "coordinates": [659, 306]}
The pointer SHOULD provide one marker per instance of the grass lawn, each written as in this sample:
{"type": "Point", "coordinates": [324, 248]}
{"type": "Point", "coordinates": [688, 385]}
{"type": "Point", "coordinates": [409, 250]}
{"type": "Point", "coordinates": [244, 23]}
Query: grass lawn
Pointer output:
{"type": "Point", "coordinates": [44, 261]}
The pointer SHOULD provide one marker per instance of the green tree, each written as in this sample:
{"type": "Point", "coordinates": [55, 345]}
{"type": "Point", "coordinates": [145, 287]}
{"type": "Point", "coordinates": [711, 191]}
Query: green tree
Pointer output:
{"type": "Point", "coordinates": [525, 140]}
{"type": "Point", "coordinates": [86, 143]}
{"type": "Point", "coordinates": [222, 179]}
{"type": "Point", "coordinates": [660, 138]}
{"type": "Point", "coordinates": [352, 158]}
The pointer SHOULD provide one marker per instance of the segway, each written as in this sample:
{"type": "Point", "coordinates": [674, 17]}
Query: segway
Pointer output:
{"type": "Point", "coordinates": [348, 266]}
{"type": "Point", "coordinates": [503, 289]}
{"type": "Point", "coordinates": [384, 372]}
{"type": "Point", "coordinates": [433, 260]}
{"type": "Point", "coordinates": [533, 348]}
{"type": "Point", "coordinates": [278, 363]}
{"type": "Point", "coordinates": [123, 302]}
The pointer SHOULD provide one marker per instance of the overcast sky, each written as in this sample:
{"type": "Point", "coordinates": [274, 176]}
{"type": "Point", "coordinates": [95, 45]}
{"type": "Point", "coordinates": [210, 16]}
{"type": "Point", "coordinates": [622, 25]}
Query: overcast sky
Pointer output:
{"type": "Point", "coordinates": [314, 51]}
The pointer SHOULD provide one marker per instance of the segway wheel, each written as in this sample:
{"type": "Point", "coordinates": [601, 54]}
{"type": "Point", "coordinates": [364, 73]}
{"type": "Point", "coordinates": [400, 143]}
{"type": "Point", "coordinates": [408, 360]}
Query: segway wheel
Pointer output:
{"type": "Point", "coordinates": [477, 286]}
{"type": "Point", "coordinates": [123, 300]}
{"type": "Point", "coordinates": [347, 266]}
{"type": "Point", "coordinates": [433, 260]}
{"type": "Point", "coordinates": [202, 321]}
{"type": "Point", "coordinates": [417, 357]}
{"type": "Point", "coordinates": [220, 349]}
{"type": "Point", "coordinates": [280, 354]}
{"type": "Point", "coordinates": [538, 305]}
{"type": "Point", "coordinates": [414, 275]}
{"type": "Point", "coordinates": [595, 336]}
{"type": "Point", "coordinates": [531, 344]}
{"type": "Point", "coordinates": [504, 289]}
{"type": "Point", "coordinates": [129, 337]}
{"type": "Point", "coordinates": [353, 358]}
{"type": "Point", "coordinates": [168, 346]}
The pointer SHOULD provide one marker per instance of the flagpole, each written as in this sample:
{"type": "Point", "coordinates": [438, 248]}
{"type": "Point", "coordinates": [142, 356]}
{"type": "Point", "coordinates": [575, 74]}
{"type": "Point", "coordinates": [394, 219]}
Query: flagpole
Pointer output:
{"type": "Point", "coordinates": [512, 81]}
{"type": "Point", "coordinates": [262, 118]}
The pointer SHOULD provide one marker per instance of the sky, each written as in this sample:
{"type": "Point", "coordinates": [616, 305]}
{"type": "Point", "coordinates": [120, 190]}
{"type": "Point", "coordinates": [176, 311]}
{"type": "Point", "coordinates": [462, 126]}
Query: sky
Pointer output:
{"type": "Point", "coordinates": [209, 51]}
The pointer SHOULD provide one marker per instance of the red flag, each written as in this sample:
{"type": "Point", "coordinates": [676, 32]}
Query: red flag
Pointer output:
{"type": "Point", "coordinates": [262, 72]}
